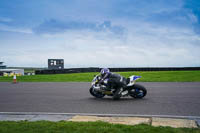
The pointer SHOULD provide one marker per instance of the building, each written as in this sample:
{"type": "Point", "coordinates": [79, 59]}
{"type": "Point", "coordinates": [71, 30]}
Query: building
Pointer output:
{"type": "Point", "coordinates": [2, 66]}
{"type": "Point", "coordinates": [10, 72]}
{"type": "Point", "coordinates": [55, 64]}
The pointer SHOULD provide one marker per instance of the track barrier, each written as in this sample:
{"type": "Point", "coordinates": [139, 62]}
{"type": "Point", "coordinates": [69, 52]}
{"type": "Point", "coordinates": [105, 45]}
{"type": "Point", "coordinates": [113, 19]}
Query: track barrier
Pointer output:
{"type": "Point", "coordinates": [93, 69]}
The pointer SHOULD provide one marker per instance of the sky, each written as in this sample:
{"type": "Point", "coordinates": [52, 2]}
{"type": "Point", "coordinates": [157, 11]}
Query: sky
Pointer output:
{"type": "Point", "coordinates": [100, 33]}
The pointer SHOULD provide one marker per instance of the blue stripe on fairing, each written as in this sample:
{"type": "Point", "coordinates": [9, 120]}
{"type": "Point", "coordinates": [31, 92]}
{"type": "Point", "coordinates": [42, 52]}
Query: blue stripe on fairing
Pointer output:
{"type": "Point", "coordinates": [136, 77]}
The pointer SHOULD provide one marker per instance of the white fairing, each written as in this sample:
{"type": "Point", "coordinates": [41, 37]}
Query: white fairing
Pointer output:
{"type": "Point", "coordinates": [133, 78]}
{"type": "Point", "coordinates": [94, 80]}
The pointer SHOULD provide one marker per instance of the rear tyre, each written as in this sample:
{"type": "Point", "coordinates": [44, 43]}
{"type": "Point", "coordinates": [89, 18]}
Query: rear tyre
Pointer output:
{"type": "Point", "coordinates": [96, 93]}
{"type": "Point", "coordinates": [138, 91]}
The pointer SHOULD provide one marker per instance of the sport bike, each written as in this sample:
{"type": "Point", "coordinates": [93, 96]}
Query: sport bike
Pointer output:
{"type": "Point", "coordinates": [131, 89]}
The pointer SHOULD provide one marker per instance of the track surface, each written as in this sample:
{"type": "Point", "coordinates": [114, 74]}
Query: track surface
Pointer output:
{"type": "Point", "coordinates": [182, 99]}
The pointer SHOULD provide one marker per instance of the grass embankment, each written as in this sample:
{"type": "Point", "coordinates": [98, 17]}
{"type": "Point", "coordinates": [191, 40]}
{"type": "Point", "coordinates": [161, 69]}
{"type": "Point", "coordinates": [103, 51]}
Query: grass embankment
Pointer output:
{"type": "Point", "coordinates": [84, 127]}
{"type": "Point", "coordinates": [153, 76]}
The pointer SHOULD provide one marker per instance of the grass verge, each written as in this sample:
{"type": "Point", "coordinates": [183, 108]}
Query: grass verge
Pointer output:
{"type": "Point", "coordinates": [84, 127]}
{"type": "Point", "coordinates": [152, 76]}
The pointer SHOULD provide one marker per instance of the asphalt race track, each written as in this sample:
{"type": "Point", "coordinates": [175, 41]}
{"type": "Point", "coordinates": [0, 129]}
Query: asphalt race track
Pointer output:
{"type": "Point", "coordinates": [182, 99]}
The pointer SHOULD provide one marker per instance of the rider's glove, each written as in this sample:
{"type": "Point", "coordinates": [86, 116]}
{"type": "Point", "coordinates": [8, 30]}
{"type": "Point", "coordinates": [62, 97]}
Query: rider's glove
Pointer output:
{"type": "Point", "coordinates": [101, 82]}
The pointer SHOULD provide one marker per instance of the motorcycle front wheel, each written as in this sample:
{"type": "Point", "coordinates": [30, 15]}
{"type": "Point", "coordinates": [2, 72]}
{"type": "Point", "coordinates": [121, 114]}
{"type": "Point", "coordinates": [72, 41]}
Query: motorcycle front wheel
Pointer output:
{"type": "Point", "coordinates": [96, 93]}
{"type": "Point", "coordinates": [137, 91]}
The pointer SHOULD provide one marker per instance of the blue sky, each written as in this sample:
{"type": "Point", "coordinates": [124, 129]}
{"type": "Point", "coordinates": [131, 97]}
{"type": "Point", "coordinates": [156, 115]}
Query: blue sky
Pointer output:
{"type": "Point", "coordinates": [106, 33]}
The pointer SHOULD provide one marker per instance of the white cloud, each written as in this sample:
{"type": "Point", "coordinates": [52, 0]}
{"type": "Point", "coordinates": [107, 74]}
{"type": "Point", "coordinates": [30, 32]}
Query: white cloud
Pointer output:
{"type": "Point", "coordinates": [4, 27]}
{"type": "Point", "coordinates": [142, 46]}
{"type": "Point", "coordinates": [137, 33]}
{"type": "Point", "coordinates": [3, 19]}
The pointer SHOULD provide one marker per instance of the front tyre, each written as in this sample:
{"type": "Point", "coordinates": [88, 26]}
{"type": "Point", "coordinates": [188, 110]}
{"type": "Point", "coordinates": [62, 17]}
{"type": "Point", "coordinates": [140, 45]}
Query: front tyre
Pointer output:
{"type": "Point", "coordinates": [96, 93]}
{"type": "Point", "coordinates": [138, 91]}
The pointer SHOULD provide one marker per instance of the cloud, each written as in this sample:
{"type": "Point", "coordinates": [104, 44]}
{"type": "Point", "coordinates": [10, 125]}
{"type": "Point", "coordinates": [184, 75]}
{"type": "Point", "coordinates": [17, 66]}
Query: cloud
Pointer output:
{"type": "Point", "coordinates": [122, 33]}
{"type": "Point", "coordinates": [179, 18]}
{"type": "Point", "coordinates": [193, 6]}
{"type": "Point", "coordinates": [144, 46]}
{"type": "Point", "coordinates": [5, 20]}
{"type": "Point", "coordinates": [7, 25]}
{"type": "Point", "coordinates": [53, 26]}
{"type": "Point", "coordinates": [7, 28]}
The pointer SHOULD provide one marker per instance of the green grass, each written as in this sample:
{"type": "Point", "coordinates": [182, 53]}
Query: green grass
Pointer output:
{"type": "Point", "coordinates": [152, 76]}
{"type": "Point", "coordinates": [84, 127]}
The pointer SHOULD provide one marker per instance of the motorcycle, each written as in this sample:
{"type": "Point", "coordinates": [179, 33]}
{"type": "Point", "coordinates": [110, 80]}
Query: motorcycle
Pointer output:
{"type": "Point", "coordinates": [131, 89]}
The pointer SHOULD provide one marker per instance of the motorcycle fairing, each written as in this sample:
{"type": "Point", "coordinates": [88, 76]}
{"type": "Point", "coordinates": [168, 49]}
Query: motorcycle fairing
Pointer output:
{"type": "Point", "coordinates": [133, 79]}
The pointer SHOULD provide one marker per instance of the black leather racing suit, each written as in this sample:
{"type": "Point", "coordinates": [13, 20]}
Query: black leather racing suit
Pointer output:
{"type": "Point", "coordinates": [115, 81]}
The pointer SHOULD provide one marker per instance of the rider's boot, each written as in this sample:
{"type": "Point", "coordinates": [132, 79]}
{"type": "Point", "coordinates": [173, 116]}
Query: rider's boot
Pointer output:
{"type": "Point", "coordinates": [117, 94]}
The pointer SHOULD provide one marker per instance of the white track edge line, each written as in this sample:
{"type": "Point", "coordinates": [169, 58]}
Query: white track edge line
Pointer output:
{"type": "Point", "coordinates": [94, 114]}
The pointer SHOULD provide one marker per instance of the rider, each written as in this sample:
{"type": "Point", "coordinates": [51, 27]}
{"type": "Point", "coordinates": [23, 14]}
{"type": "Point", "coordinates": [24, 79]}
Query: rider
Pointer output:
{"type": "Point", "coordinates": [115, 81]}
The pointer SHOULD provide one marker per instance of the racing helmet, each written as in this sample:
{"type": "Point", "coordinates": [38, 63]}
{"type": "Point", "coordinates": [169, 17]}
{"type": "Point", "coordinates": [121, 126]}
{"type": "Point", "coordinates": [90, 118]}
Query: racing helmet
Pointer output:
{"type": "Point", "coordinates": [105, 71]}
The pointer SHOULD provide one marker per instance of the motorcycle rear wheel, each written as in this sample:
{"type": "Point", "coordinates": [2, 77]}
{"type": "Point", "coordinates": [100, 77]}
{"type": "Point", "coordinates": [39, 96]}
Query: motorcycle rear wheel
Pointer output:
{"type": "Point", "coordinates": [96, 93]}
{"type": "Point", "coordinates": [138, 91]}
